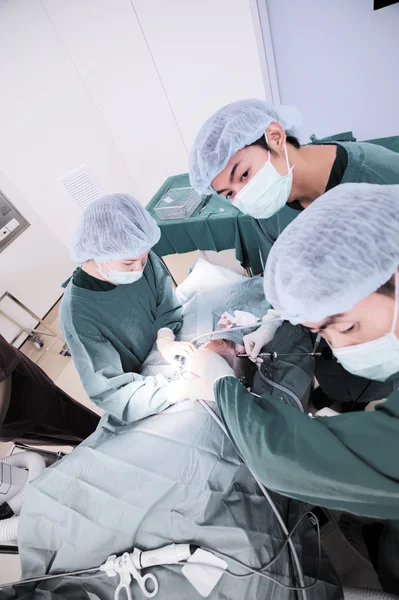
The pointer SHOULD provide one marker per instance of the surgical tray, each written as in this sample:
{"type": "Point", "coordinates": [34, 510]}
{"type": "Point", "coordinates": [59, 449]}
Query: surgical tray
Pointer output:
{"type": "Point", "coordinates": [178, 203]}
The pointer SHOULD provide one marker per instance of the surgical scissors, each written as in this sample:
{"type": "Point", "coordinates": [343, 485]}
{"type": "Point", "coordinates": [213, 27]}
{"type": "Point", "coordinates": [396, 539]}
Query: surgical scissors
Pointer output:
{"type": "Point", "coordinates": [124, 567]}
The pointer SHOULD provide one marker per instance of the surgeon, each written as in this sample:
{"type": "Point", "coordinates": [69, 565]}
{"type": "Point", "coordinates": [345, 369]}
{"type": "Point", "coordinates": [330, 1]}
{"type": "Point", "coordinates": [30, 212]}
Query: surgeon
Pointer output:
{"type": "Point", "coordinates": [117, 304]}
{"type": "Point", "coordinates": [249, 152]}
{"type": "Point", "coordinates": [335, 271]}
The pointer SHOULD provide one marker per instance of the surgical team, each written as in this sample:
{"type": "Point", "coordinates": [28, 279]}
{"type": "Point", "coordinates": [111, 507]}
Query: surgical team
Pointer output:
{"type": "Point", "coordinates": [326, 218]}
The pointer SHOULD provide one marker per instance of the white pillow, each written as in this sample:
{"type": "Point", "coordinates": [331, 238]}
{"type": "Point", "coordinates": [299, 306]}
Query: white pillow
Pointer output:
{"type": "Point", "coordinates": [205, 277]}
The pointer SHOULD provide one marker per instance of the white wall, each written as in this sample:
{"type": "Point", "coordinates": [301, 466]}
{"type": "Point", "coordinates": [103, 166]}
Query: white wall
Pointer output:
{"type": "Point", "coordinates": [117, 85]}
{"type": "Point", "coordinates": [34, 266]}
{"type": "Point", "coordinates": [120, 86]}
{"type": "Point", "coordinates": [337, 61]}
{"type": "Point", "coordinates": [206, 55]}
{"type": "Point", "coordinates": [110, 54]}
{"type": "Point", "coordinates": [49, 124]}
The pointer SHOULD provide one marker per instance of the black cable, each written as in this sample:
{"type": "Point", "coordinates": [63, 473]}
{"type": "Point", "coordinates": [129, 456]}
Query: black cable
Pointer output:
{"type": "Point", "coordinates": [261, 572]}
{"type": "Point", "coordinates": [360, 395]}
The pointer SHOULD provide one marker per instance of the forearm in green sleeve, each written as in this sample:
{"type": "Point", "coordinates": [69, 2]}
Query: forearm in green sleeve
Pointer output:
{"type": "Point", "coordinates": [130, 396]}
{"type": "Point", "coordinates": [347, 462]}
{"type": "Point", "coordinates": [127, 395]}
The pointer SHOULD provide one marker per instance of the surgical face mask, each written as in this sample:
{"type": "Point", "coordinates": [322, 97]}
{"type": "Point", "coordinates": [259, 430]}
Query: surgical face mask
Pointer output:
{"type": "Point", "coordinates": [266, 193]}
{"type": "Point", "coordinates": [119, 277]}
{"type": "Point", "coordinates": [378, 359]}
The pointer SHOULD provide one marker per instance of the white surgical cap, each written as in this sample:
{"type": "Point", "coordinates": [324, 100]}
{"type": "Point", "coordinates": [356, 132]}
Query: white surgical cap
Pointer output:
{"type": "Point", "coordinates": [229, 130]}
{"type": "Point", "coordinates": [115, 227]}
{"type": "Point", "coordinates": [339, 250]}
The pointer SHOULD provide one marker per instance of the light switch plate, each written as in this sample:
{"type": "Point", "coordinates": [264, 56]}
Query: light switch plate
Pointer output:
{"type": "Point", "coordinates": [13, 224]}
{"type": "Point", "coordinates": [4, 232]}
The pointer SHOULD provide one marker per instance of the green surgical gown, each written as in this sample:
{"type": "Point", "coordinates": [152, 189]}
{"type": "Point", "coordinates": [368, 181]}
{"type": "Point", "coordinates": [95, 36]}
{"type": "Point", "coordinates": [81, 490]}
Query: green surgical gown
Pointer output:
{"type": "Point", "coordinates": [349, 462]}
{"type": "Point", "coordinates": [110, 334]}
{"type": "Point", "coordinates": [367, 163]}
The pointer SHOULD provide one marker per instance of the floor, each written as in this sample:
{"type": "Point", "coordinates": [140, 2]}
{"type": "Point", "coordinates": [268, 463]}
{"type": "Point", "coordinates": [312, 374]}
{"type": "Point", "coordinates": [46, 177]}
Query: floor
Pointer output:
{"type": "Point", "coordinates": [353, 571]}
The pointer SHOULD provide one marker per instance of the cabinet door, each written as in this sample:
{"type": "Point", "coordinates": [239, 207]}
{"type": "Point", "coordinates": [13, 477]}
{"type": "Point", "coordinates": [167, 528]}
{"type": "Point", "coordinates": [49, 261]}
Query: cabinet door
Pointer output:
{"type": "Point", "coordinates": [111, 54]}
{"type": "Point", "coordinates": [48, 121]}
{"type": "Point", "coordinates": [206, 55]}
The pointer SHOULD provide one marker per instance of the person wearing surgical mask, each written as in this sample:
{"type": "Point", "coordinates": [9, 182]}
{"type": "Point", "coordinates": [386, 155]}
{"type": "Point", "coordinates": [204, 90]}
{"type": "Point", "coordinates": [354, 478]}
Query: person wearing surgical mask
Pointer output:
{"type": "Point", "coordinates": [117, 305]}
{"type": "Point", "coordinates": [344, 281]}
{"type": "Point", "coordinates": [248, 151]}
{"type": "Point", "coordinates": [334, 270]}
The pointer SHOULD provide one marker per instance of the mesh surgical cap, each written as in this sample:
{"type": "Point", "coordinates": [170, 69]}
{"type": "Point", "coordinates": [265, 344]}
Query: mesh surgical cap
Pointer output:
{"type": "Point", "coordinates": [229, 130]}
{"type": "Point", "coordinates": [115, 227]}
{"type": "Point", "coordinates": [339, 250]}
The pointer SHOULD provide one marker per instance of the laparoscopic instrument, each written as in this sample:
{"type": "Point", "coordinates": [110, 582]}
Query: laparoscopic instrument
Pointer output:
{"type": "Point", "coordinates": [325, 353]}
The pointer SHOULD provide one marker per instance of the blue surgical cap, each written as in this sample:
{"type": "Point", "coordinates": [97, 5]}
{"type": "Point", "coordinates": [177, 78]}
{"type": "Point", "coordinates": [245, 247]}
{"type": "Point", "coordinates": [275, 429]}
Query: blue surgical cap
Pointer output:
{"type": "Point", "coordinates": [114, 227]}
{"type": "Point", "coordinates": [229, 130]}
{"type": "Point", "coordinates": [339, 250]}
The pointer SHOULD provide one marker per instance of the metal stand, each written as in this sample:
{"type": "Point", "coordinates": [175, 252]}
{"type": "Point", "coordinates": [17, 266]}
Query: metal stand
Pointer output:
{"type": "Point", "coordinates": [50, 456]}
{"type": "Point", "coordinates": [33, 334]}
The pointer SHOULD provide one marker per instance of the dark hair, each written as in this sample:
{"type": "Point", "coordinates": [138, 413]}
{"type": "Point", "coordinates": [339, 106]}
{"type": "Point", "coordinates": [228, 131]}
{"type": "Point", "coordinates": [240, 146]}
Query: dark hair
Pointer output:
{"type": "Point", "coordinates": [388, 289]}
{"type": "Point", "coordinates": [263, 144]}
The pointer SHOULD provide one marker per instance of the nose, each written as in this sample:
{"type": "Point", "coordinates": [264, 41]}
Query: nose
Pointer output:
{"type": "Point", "coordinates": [239, 185]}
{"type": "Point", "coordinates": [338, 340]}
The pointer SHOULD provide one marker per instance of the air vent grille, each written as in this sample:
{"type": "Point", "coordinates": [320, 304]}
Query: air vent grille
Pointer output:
{"type": "Point", "coordinates": [81, 186]}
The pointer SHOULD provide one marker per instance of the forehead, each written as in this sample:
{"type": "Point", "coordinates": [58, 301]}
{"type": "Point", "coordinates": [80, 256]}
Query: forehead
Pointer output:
{"type": "Point", "coordinates": [367, 308]}
{"type": "Point", "coordinates": [325, 323]}
{"type": "Point", "coordinates": [245, 154]}
{"type": "Point", "coordinates": [133, 258]}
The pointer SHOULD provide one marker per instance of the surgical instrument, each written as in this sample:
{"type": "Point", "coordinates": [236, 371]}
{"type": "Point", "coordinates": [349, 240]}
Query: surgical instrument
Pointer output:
{"type": "Point", "coordinates": [129, 566]}
{"type": "Point", "coordinates": [325, 353]}
{"type": "Point", "coordinates": [217, 331]}
{"type": "Point", "coordinates": [204, 203]}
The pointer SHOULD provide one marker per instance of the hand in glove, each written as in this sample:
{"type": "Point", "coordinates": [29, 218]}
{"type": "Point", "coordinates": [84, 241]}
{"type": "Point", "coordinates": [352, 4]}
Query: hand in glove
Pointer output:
{"type": "Point", "coordinates": [170, 348]}
{"type": "Point", "coordinates": [189, 389]}
{"type": "Point", "coordinates": [255, 341]}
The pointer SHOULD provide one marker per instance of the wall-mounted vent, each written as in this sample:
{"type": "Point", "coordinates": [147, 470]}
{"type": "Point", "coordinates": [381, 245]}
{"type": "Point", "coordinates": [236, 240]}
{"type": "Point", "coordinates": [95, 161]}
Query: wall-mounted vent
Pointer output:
{"type": "Point", "coordinates": [80, 186]}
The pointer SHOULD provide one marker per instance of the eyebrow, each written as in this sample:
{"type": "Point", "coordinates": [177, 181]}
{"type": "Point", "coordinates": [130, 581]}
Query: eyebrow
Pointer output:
{"type": "Point", "coordinates": [233, 172]}
{"type": "Point", "coordinates": [329, 321]}
{"type": "Point", "coordinates": [231, 178]}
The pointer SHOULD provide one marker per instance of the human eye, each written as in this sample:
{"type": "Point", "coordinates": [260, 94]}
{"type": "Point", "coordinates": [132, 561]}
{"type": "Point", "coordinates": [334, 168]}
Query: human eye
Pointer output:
{"type": "Point", "coordinates": [348, 329]}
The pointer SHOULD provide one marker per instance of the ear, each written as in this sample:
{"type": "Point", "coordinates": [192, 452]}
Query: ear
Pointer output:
{"type": "Point", "coordinates": [276, 137]}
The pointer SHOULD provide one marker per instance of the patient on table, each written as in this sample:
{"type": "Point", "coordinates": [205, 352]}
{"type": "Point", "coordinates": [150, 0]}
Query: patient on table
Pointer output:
{"type": "Point", "coordinates": [205, 297]}
{"type": "Point", "coordinates": [243, 368]}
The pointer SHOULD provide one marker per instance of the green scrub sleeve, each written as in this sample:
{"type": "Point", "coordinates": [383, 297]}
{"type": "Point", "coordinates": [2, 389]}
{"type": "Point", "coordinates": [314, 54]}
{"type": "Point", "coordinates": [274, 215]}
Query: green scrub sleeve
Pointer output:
{"type": "Point", "coordinates": [349, 462]}
{"type": "Point", "coordinates": [169, 311]}
{"type": "Point", "coordinates": [128, 396]}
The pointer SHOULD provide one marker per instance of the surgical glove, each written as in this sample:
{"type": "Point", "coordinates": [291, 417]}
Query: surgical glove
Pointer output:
{"type": "Point", "coordinates": [255, 341]}
{"type": "Point", "coordinates": [189, 389]}
{"type": "Point", "coordinates": [210, 366]}
{"type": "Point", "coordinates": [326, 412]}
{"type": "Point", "coordinates": [170, 348]}
{"type": "Point", "coordinates": [244, 318]}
